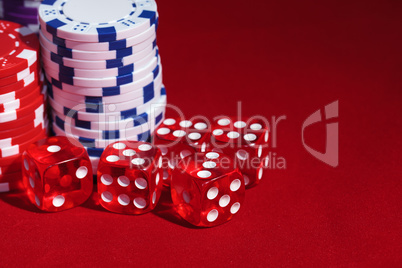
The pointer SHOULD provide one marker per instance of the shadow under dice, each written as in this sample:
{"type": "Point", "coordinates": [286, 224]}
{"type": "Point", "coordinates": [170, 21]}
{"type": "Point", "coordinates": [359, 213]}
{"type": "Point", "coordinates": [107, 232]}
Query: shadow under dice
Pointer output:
{"type": "Point", "coordinates": [57, 174]}
{"type": "Point", "coordinates": [246, 141]}
{"type": "Point", "coordinates": [130, 177]}
{"type": "Point", "coordinates": [179, 138]}
{"type": "Point", "coordinates": [207, 189]}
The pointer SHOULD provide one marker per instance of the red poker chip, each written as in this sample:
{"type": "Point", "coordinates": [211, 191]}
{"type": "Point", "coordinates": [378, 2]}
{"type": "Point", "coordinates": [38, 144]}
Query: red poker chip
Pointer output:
{"type": "Point", "coordinates": [18, 93]}
{"type": "Point", "coordinates": [21, 121]}
{"type": "Point", "coordinates": [19, 76]}
{"type": "Point", "coordinates": [19, 48]}
{"type": "Point", "coordinates": [13, 132]}
{"type": "Point", "coordinates": [18, 149]}
{"type": "Point", "coordinates": [11, 176]}
{"type": "Point", "coordinates": [33, 78]}
{"type": "Point", "coordinates": [8, 161]}
{"type": "Point", "coordinates": [11, 183]}
{"type": "Point", "coordinates": [14, 116]}
{"type": "Point", "coordinates": [21, 102]}
{"type": "Point", "coordinates": [14, 167]}
{"type": "Point", "coordinates": [21, 138]}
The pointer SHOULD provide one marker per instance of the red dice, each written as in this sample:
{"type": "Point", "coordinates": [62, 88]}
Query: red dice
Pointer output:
{"type": "Point", "coordinates": [207, 189]}
{"type": "Point", "coordinates": [246, 141]}
{"type": "Point", "coordinates": [178, 138]}
{"type": "Point", "coordinates": [57, 174]}
{"type": "Point", "coordinates": [130, 177]}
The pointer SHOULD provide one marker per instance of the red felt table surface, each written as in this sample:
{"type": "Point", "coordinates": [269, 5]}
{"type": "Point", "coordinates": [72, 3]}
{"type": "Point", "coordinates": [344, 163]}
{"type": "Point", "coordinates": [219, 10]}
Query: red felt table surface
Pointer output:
{"type": "Point", "coordinates": [278, 58]}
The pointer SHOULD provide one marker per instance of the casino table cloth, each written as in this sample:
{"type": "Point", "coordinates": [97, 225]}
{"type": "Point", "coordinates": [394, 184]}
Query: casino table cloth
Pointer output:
{"type": "Point", "coordinates": [284, 60]}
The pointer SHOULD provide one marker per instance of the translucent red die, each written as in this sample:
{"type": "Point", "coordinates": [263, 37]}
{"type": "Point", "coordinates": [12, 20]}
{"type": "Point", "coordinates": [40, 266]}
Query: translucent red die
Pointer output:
{"type": "Point", "coordinates": [130, 177]}
{"type": "Point", "coordinates": [178, 138]}
{"type": "Point", "coordinates": [207, 189]}
{"type": "Point", "coordinates": [246, 141]}
{"type": "Point", "coordinates": [57, 174]}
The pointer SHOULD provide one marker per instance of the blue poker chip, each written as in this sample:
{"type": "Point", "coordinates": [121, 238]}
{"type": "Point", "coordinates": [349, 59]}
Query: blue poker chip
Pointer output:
{"type": "Point", "coordinates": [109, 104]}
{"type": "Point", "coordinates": [145, 93]}
{"type": "Point", "coordinates": [61, 119]}
{"type": "Point", "coordinates": [90, 73]}
{"type": "Point", "coordinates": [103, 69]}
{"type": "Point", "coordinates": [95, 55]}
{"type": "Point", "coordinates": [95, 20]}
{"type": "Point", "coordinates": [107, 91]}
{"type": "Point", "coordinates": [103, 46]}
{"type": "Point", "coordinates": [141, 126]}
{"type": "Point", "coordinates": [105, 134]}
{"type": "Point", "coordinates": [78, 113]}
{"type": "Point", "coordinates": [106, 81]}
{"type": "Point", "coordinates": [98, 64]}
{"type": "Point", "coordinates": [99, 142]}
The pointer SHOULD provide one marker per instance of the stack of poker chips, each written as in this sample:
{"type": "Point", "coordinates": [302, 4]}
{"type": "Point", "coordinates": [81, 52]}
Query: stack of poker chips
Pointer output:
{"type": "Point", "coordinates": [22, 104]}
{"type": "Point", "coordinates": [24, 12]}
{"type": "Point", "coordinates": [104, 70]}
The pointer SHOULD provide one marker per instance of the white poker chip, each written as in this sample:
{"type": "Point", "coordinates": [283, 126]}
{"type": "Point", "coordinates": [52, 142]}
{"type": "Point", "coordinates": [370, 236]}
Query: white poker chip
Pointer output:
{"type": "Point", "coordinates": [98, 105]}
{"type": "Point", "coordinates": [107, 91]}
{"type": "Point", "coordinates": [89, 142]}
{"type": "Point", "coordinates": [95, 147]}
{"type": "Point", "coordinates": [145, 92]}
{"type": "Point", "coordinates": [99, 143]}
{"type": "Point", "coordinates": [102, 134]}
{"type": "Point", "coordinates": [110, 124]}
{"type": "Point", "coordinates": [102, 46]}
{"type": "Point", "coordinates": [153, 123]}
{"type": "Point", "coordinates": [107, 81]}
{"type": "Point", "coordinates": [97, 20]}
{"type": "Point", "coordinates": [80, 113]}
{"type": "Point", "coordinates": [98, 64]}
{"type": "Point", "coordinates": [98, 73]}
{"type": "Point", "coordinates": [83, 115]}
{"type": "Point", "coordinates": [95, 55]}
